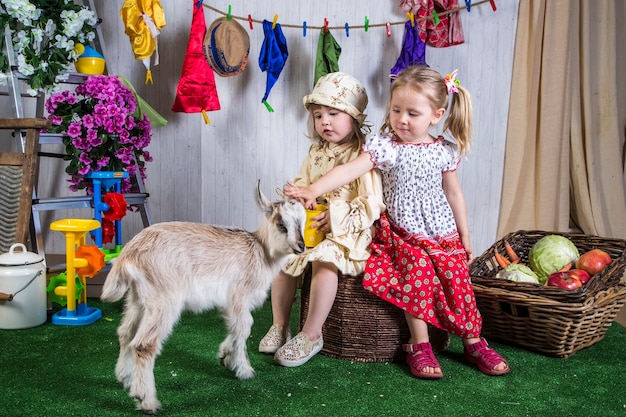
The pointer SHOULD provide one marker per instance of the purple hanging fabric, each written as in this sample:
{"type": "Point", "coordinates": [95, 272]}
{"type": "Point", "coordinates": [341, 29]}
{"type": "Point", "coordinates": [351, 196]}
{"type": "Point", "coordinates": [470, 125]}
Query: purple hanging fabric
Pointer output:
{"type": "Point", "coordinates": [413, 50]}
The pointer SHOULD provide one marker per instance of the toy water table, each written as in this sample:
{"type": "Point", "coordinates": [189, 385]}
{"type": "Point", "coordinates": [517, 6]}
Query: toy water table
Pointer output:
{"type": "Point", "coordinates": [81, 261]}
{"type": "Point", "coordinates": [109, 207]}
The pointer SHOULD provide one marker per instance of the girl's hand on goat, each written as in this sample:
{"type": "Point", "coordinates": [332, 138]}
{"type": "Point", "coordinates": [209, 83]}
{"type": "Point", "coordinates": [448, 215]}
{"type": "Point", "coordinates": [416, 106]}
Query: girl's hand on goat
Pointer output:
{"type": "Point", "coordinates": [303, 194]}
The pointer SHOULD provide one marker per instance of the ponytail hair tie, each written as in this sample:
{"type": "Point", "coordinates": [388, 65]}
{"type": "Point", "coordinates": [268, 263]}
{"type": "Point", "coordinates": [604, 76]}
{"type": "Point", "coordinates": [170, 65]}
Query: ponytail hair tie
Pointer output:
{"type": "Point", "coordinates": [452, 84]}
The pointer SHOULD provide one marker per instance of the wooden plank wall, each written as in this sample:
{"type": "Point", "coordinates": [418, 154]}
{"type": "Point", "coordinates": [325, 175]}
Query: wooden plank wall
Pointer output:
{"type": "Point", "coordinates": [207, 173]}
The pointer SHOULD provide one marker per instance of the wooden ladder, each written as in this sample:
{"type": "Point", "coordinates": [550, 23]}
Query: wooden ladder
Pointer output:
{"type": "Point", "coordinates": [139, 199]}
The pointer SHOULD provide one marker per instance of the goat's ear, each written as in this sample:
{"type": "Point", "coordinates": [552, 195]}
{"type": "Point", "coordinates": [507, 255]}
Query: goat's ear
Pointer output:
{"type": "Point", "coordinates": [266, 205]}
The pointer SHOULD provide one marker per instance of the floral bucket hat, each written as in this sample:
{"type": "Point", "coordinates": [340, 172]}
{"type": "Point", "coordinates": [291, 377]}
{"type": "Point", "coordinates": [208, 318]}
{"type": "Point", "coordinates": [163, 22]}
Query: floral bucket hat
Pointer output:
{"type": "Point", "coordinates": [339, 91]}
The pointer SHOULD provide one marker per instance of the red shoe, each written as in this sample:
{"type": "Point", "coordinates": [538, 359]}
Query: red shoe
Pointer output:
{"type": "Point", "coordinates": [420, 356]}
{"type": "Point", "coordinates": [485, 358]}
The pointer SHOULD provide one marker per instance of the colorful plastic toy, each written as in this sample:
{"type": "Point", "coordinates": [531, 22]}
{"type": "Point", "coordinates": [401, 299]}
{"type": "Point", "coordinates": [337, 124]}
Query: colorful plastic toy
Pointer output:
{"type": "Point", "coordinates": [90, 262]}
{"type": "Point", "coordinates": [109, 208]}
{"type": "Point", "coordinates": [57, 289]}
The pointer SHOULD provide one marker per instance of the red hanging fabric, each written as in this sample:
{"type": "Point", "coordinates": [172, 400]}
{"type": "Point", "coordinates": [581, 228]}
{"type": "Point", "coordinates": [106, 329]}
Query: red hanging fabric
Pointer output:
{"type": "Point", "coordinates": [448, 32]}
{"type": "Point", "coordinates": [196, 89]}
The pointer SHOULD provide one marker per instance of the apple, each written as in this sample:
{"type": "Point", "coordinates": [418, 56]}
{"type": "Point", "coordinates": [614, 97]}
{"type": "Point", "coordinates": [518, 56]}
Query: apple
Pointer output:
{"type": "Point", "coordinates": [593, 261]}
{"type": "Point", "coordinates": [582, 275]}
{"type": "Point", "coordinates": [564, 280]}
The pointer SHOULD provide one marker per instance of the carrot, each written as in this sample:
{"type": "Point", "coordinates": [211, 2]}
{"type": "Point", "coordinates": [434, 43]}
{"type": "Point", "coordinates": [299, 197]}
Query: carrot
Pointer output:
{"type": "Point", "coordinates": [566, 267]}
{"type": "Point", "coordinates": [511, 253]}
{"type": "Point", "coordinates": [502, 261]}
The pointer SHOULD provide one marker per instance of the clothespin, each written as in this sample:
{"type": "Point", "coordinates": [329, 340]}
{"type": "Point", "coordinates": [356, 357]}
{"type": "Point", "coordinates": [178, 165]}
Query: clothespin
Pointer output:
{"type": "Point", "coordinates": [325, 26]}
{"type": "Point", "coordinates": [268, 107]}
{"type": "Point", "coordinates": [468, 4]}
{"type": "Point", "coordinates": [228, 15]}
{"type": "Point", "coordinates": [206, 118]}
{"type": "Point", "coordinates": [367, 23]}
{"type": "Point", "coordinates": [250, 21]}
{"type": "Point", "coordinates": [493, 5]}
{"type": "Point", "coordinates": [411, 17]}
{"type": "Point", "coordinates": [274, 21]}
{"type": "Point", "coordinates": [347, 30]}
{"type": "Point", "coordinates": [435, 18]}
{"type": "Point", "coordinates": [304, 29]}
{"type": "Point", "coordinates": [388, 29]}
{"type": "Point", "coordinates": [149, 77]}
{"type": "Point", "coordinates": [199, 3]}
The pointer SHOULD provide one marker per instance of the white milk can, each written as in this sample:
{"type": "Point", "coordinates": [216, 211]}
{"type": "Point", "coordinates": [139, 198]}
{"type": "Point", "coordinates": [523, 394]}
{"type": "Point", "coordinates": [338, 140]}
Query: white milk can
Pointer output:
{"type": "Point", "coordinates": [23, 300]}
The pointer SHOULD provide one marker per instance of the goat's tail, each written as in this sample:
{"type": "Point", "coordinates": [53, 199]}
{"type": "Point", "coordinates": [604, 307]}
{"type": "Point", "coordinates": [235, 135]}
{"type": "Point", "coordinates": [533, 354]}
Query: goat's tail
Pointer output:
{"type": "Point", "coordinates": [117, 283]}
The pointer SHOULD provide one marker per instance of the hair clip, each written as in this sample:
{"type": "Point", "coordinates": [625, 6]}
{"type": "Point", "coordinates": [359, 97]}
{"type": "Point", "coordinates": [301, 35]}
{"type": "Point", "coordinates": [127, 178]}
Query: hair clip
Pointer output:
{"type": "Point", "coordinates": [452, 84]}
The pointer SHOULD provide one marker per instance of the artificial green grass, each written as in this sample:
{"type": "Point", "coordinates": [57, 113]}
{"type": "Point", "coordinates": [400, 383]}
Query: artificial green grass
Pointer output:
{"type": "Point", "coordinates": [64, 371]}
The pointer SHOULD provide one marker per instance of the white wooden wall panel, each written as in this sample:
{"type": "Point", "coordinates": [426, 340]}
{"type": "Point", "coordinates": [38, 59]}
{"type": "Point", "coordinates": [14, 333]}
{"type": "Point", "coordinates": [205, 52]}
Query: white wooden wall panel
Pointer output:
{"type": "Point", "coordinates": [484, 62]}
{"type": "Point", "coordinates": [208, 173]}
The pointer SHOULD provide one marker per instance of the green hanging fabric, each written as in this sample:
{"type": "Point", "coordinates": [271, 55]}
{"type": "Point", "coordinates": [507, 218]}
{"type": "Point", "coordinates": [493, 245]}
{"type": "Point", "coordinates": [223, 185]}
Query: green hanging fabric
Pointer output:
{"type": "Point", "coordinates": [143, 107]}
{"type": "Point", "coordinates": [327, 58]}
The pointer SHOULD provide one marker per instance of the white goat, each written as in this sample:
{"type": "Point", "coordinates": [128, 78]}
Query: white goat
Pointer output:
{"type": "Point", "coordinates": [175, 266]}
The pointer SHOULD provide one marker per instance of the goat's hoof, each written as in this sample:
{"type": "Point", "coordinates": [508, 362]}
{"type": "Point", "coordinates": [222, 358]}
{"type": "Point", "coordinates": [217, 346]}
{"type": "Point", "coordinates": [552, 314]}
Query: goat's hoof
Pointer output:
{"type": "Point", "coordinates": [245, 374]}
{"type": "Point", "coordinates": [149, 409]}
{"type": "Point", "coordinates": [227, 362]}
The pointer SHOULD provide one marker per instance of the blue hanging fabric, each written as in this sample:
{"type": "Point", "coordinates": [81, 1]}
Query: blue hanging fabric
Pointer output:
{"type": "Point", "coordinates": [413, 50]}
{"type": "Point", "coordinates": [273, 55]}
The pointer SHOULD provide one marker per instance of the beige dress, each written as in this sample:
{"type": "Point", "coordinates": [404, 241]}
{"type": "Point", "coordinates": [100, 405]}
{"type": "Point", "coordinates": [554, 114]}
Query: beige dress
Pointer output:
{"type": "Point", "coordinates": [353, 209]}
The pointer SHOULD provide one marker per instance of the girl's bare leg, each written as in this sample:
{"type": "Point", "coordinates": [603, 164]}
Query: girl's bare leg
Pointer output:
{"type": "Point", "coordinates": [324, 281]}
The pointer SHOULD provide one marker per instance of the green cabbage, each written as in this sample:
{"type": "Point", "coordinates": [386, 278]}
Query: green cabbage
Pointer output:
{"type": "Point", "coordinates": [550, 254]}
{"type": "Point", "coordinates": [518, 273]}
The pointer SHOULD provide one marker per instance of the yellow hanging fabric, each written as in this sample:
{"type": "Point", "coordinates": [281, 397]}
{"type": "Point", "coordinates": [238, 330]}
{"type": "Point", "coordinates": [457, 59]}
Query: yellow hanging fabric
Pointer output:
{"type": "Point", "coordinates": [143, 20]}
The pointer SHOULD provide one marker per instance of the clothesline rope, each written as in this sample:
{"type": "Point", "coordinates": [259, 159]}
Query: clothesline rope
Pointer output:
{"type": "Point", "coordinates": [370, 25]}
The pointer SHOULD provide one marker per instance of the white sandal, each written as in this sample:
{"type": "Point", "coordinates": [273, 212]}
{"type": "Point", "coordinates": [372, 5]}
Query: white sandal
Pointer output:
{"type": "Point", "coordinates": [275, 337]}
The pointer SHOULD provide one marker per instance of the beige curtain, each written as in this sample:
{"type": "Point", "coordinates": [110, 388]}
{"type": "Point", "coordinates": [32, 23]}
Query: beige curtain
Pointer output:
{"type": "Point", "coordinates": [565, 159]}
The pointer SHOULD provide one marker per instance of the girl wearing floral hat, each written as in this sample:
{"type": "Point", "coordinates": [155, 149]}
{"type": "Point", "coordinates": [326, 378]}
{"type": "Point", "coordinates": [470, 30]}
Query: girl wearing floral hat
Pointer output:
{"type": "Point", "coordinates": [422, 247]}
{"type": "Point", "coordinates": [337, 128]}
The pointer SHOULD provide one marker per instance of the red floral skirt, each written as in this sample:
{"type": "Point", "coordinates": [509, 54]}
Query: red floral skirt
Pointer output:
{"type": "Point", "coordinates": [427, 278]}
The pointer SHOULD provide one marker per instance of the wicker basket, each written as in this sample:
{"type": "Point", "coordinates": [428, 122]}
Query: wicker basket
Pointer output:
{"type": "Point", "coordinates": [484, 268]}
{"type": "Point", "coordinates": [362, 327]}
{"type": "Point", "coordinates": [544, 325]}
{"type": "Point", "coordinates": [549, 320]}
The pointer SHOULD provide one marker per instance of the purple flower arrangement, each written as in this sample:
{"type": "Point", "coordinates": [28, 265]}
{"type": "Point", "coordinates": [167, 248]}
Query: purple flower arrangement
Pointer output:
{"type": "Point", "coordinates": [101, 130]}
